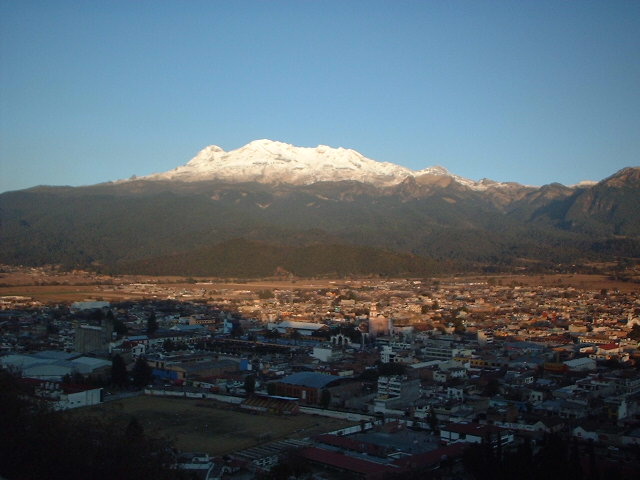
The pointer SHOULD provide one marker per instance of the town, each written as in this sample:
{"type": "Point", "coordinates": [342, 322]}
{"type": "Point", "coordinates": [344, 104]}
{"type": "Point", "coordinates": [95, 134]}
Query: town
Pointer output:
{"type": "Point", "coordinates": [418, 375]}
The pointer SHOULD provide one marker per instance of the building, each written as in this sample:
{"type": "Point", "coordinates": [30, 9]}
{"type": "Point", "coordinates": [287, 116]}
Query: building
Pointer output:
{"type": "Point", "coordinates": [93, 338]}
{"type": "Point", "coordinates": [89, 305]}
{"type": "Point", "coordinates": [198, 465]}
{"type": "Point", "coordinates": [327, 354]}
{"type": "Point", "coordinates": [583, 364]}
{"type": "Point", "coordinates": [303, 328]}
{"type": "Point", "coordinates": [307, 386]}
{"type": "Point", "coordinates": [63, 396]}
{"type": "Point", "coordinates": [54, 365]}
{"type": "Point", "coordinates": [376, 455]}
{"type": "Point", "coordinates": [178, 368]}
{"type": "Point", "coordinates": [262, 457]}
{"type": "Point", "coordinates": [474, 433]}
{"type": "Point", "coordinates": [396, 392]}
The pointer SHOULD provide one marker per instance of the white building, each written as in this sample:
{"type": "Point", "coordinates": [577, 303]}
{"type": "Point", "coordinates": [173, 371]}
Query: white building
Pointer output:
{"type": "Point", "coordinates": [396, 392]}
{"type": "Point", "coordinates": [583, 364]}
{"type": "Point", "coordinates": [474, 433]}
{"type": "Point", "coordinates": [326, 354]}
{"type": "Point", "coordinates": [65, 397]}
{"type": "Point", "coordinates": [304, 328]}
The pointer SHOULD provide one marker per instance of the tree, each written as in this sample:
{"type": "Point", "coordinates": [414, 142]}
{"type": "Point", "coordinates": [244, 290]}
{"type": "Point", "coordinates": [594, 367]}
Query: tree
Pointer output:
{"type": "Point", "coordinates": [52, 329]}
{"type": "Point", "coordinates": [168, 345]}
{"type": "Point", "coordinates": [237, 330]}
{"type": "Point", "coordinates": [119, 374]}
{"type": "Point", "coordinates": [78, 378]}
{"type": "Point", "coordinates": [492, 387]}
{"type": "Point", "coordinates": [119, 327]}
{"type": "Point", "coordinates": [40, 443]}
{"type": "Point", "coordinates": [152, 324]}
{"type": "Point", "coordinates": [352, 332]}
{"type": "Point", "coordinates": [634, 334]}
{"type": "Point", "coordinates": [433, 422]}
{"type": "Point", "coordinates": [134, 430]}
{"type": "Point", "coordinates": [458, 325]}
{"type": "Point", "coordinates": [273, 334]}
{"type": "Point", "coordinates": [96, 314]}
{"type": "Point", "coordinates": [369, 375]}
{"type": "Point", "coordinates": [141, 372]}
{"type": "Point", "coordinates": [250, 384]}
{"type": "Point", "coordinates": [295, 336]}
{"type": "Point", "coordinates": [271, 388]}
{"type": "Point", "coordinates": [181, 346]}
{"type": "Point", "coordinates": [325, 398]}
{"type": "Point", "coordinates": [479, 460]}
{"type": "Point", "coordinates": [552, 459]}
{"type": "Point", "coordinates": [391, 368]}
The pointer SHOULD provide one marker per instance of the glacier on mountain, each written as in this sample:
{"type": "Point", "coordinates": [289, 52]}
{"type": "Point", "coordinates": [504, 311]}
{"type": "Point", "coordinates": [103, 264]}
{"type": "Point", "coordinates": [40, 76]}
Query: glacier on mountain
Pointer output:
{"type": "Point", "coordinates": [267, 161]}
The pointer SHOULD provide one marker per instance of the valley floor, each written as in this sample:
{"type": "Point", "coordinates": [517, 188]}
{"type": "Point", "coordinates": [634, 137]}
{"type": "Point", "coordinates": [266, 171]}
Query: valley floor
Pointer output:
{"type": "Point", "coordinates": [44, 286]}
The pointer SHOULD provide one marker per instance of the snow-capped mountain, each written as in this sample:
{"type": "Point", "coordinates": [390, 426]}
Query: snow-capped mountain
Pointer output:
{"type": "Point", "coordinates": [267, 161]}
{"type": "Point", "coordinates": [233, 227]}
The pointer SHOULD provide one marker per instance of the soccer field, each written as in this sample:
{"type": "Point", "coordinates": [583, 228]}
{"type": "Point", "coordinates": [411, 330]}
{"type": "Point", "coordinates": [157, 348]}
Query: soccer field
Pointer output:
{"type": "Point", "coordinates": [209, 426]}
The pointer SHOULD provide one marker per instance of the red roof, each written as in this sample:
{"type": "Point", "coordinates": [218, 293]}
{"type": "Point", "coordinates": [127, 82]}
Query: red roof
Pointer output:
{"type": "Point", "coordinates": [65, 387]}
{"type": "Point", "coordinates": [476, 429]}
{"type": "Point", "coordinates": [433, 457]}
{"type": "Point", "coordinates": [347, 463]}
{"type": "Point", "coordinates": [74, 388]}
{"type": "Point", "coordinates": [609, 346]}
{"type": "Point", "coordinates": [351, 444]}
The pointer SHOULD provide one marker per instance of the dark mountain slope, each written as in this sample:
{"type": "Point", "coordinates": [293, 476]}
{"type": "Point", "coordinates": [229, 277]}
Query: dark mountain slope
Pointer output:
{"type": "Point", "coordinates": [242, 258]}
{"type": "Point", "coordinates": [126, 224]}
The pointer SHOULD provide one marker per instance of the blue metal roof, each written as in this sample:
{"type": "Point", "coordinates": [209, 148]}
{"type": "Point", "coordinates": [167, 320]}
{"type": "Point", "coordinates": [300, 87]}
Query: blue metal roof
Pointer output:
{"type": "Point", "coordinates": [310, 379]}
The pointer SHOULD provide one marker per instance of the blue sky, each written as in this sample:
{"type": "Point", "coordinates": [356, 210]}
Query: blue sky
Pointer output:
{"type": "Point", "coordinates": [527, 91]}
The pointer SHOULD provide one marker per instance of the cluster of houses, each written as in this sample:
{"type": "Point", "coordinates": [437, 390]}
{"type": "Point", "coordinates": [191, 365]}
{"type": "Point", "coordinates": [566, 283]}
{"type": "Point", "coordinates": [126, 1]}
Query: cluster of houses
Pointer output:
{"type": "Point", "coordinates": [458, 361]}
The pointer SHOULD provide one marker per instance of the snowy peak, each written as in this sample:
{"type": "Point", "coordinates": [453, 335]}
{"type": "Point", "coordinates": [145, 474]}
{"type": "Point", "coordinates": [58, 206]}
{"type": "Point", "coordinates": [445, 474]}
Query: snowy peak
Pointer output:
{"type": "Point", "coordinates": [267, 161]}
{"type": "Point", "coordinates": [437, 170]}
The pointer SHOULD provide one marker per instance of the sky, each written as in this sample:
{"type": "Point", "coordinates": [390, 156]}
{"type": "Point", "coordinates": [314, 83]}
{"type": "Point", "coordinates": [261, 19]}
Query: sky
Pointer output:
{"type": "Point", "coordinates": [527, 91]}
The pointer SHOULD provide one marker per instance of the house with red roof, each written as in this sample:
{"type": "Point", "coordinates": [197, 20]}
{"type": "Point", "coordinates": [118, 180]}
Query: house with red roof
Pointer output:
{"type": "Point", "coordinates": [359, 467]}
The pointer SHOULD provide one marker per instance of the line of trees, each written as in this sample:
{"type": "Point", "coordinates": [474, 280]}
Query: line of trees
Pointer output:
{"type": "Point", "coordinates": [141, 373]}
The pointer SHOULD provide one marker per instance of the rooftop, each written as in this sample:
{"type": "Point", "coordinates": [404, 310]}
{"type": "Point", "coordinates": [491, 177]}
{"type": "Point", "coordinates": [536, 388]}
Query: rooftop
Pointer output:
{"type": "Point", "coordinates": [310, 379]}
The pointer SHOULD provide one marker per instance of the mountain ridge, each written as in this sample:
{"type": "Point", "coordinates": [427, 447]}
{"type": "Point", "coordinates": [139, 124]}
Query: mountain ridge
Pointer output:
{"type": "Point", "coordinates": [432, 220]}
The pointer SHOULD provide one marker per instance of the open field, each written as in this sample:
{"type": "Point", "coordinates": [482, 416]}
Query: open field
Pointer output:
{"type": "Point", "coordinates": [578, 281]}
{"type": "Point", "coordinates": [47, 287]}
{"type": "Point", "coordinates": [79, 292]}
{"type": "Point", "coordinates": [216, 428]}
{"type": "Point", "coordinates": [88, 280]}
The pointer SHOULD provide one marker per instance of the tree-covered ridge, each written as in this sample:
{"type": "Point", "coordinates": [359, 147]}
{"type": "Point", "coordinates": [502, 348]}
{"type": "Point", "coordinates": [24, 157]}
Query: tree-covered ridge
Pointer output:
{"type": "Point", "coordinates": [125, 226]}
{"type": "Point", "coordinates": [238, 258]}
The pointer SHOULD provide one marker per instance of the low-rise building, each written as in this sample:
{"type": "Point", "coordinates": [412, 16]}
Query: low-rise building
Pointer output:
{"type": "Point", "coordinates": [475, 433]}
